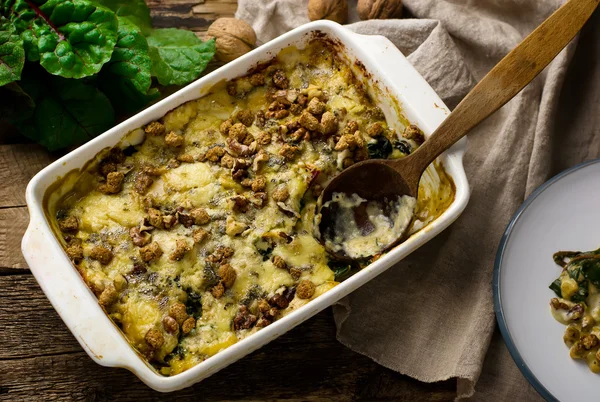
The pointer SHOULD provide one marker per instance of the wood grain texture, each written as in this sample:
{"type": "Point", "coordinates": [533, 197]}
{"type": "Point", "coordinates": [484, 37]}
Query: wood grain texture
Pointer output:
{"type": "Point", "coordinates": [13, 222]}
{"type": "Point", "coordinates": [41, 361]}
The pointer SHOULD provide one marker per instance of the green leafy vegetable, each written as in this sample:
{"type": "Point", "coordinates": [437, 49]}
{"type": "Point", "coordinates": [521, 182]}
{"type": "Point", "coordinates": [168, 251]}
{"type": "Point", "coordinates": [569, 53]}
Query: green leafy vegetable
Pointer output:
{"type": "Point", "coordinates": [582, 293]}
{"type": "Point", "coordinates": [380, 149]}
{"type": "Point", "coordinates": [555, 286]}
{"type": "Point", "coordinates": [341, 270]}
{"type": "Point", "coordinates": [12, 53]}
{"type": "Point", "coordinates": [178, 56]}
{"type": "Point", "coordinates": [135, 10]}
{"type": "Point", "coordinates": [126, 78]}
{"type": "Point", "coordinates": [71, 38]}
{"type": "Point", "coordinates": [15, 103]}
{"type": "Point", "coordinates": [67, 112]}
{"type": "Point", "coordinates": [193, 305]}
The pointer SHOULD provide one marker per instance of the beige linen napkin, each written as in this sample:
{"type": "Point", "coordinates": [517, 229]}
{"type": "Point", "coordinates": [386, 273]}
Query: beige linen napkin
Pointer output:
{"type": "Point", "coordinates": [431, 317]}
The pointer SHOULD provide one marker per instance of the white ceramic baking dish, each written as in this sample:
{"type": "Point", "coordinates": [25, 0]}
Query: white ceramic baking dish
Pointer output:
{"type": "Point", "coordinates": [385, 68]}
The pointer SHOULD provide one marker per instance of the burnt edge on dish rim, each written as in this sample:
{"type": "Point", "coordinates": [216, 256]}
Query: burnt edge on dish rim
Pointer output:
{"type": "Point", "coordinates": [498, 311]}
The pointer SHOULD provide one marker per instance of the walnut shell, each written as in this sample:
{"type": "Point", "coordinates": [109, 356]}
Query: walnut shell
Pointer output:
{"type": "Point", "coordinates": [334, 10]}
{"type": "Point", "coordinates": [378, 9]}
{"type": "Point", "coordinates": [233, 38]}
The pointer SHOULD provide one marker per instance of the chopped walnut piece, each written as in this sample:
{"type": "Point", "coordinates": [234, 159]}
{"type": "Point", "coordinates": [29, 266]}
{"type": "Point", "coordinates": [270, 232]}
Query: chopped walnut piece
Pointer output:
{"type": "Point", "coordinates": [262, 322]}
{"type": "Point", "coordinates": [227, 161]}
{"type": "Point", "coordinates": [155, 218]}
{"type": "Point", "coordinates": [108, 296]}
{"type": "Point", "coordinates": [308, 121]}
{"type": "Point", "coordinates": [188, 325]}
{"type": "Point", "coordinates": [351, 127]}
{"type": "Point", "coordinates": [302, 99]}
{"type": "Point", "coordinates": [200, 235]}
{"type": "Point", "coordinates": [233, 227]}
{"type": "Point", "coordinates": [185, 219]}
{"type": "Point", "coordinates": [257, 79]}
{"type": "Point", "coordinates": [288, 151]}
{"type": "Point", "coordinates": [238, 149]}
{"type": "Point", "coordinates": [243, 319]}
{"type": "Point", "coordinates": [151, 252]}
{"type": "Point", "coordinates": [218, 290]}
{"type": "Point", "coordinates": [178, 312]}
{"type": "Point", "coordinates": [107, 167]}
{"type": "Point", "coordinates": [413, 132]}
{"type": "Point", "coordinates": [238, 132]}
{"type": "Point", "coordinates": [101, 254]}
{"type": "Point", "coordinates": [329, 123]}
{"type": "Point", "coordinates": [155, 128]}
{"type": "Point", "coordinates": [200, 216]}
{"type": "Point", "coordinates": [305, 289]}
{"type": "Point", "coordinates": [225, 126]}
{"type": "Point", "coordinates": [375, 129]}
{"type": "Point", "coordinates": [154, 338]}
{"type": "Point", "coordinates": [298, 134]}
{"type": "Point", "coordinates": [281, 193]}
{"type": "Point", "coordinates": [169, 221]}
{"type": "Point", "coordinates": [259, 199]}
{"type": "Point", "coordinates": [315, 106]}
{"type": "Point", "coordinates": [74, 250]}
{"type": "Point", "coordinates": [69, 224]}
{"type": "Point", "coordinates": [138, 237]}
{"type": "Point", "coordinates": [263, 306]}
{"type": "Point", "coordinates": [181, 248]}
{"type": "Point", "coordinates": [279, 301]}
{"type": "Point", "coordinates": [114, 183]}
{"type": "Point", "coordinates": [295, 109]}
{"type": "Point", "coordinates": [143, 181]}
{"type": "Point", "coordinates": [296, 273]}
{"type": "Point", "coordinates": [589, 341]}
{"type": "Point", "coordinates": [346, 141]}
{"type": "Point", "coordinates": [239, 203]}
{"type": "Point", "coordinates": [173, 139]}
{"type": "Point", "coordinates": [227, 275]}
{"type": "Point", "coordinates": [246, 117]}
{"type": "Point", "coordinates": [214, 154]}
{"type": "Point", "coordinates": [280, 80]}
{"type": "Point", "coordinates": [279, 262]}
{"type": "Point", "coordinates": [185, 158]}
{"type": "Point", "coordinates": [170, 325]}
{"type": "Point", "coordinates": [259, 183]}
{"type": "Point", "coordinates": [261, 157]}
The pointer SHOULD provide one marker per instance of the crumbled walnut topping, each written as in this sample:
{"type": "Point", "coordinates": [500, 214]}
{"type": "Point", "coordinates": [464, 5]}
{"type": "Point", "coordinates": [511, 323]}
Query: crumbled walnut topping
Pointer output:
{"type": "Point", "coordinates": [259, 183]}
{"type": "Point", "coordinates": [154, 338]}
{"type": "Point", "coordinates": [239, 203]}
{"type": "Point", "coordinates": [114, 183]}
{"type": "Point", "coordinates": [186, 158]}
{"type": "Point", "coordinates": [200, 235]}
{"type": "Point", "coordinates": [143, 181]}
{"type": "Point", "coordinates": [308, 121]}
{"type": "Point", "coordinates": [215, 154]}
{"type": "Point", "coordinates": [315, 107]}
{"type": "Point", "coordinates": [295, 109]}
{"type": "Point", "coordinates": [246, 117]}
{"type": "Point", "coordinates": [261, 157]}
{"type": "Point", "coordinates": [188, 325]}
{"type": "Point", "coordinates": [257, 79]}
{"type": "Point", "coordinates": [139, 238]}
{"type": "Point", "coordinates": [108, 296]}
{"type": "Point", "coordinates": [178, 312]}
{"type": "Point", "coordinates": [288, 151]}
{"type": "Point", "coordinates": [259, 199]}
{"type": "Point", "coordinates": [227, 161]}
{"type": "Point", "coordinates": [281, 193]}
{"type": "Point", "coordinates": [296, 273]}
{"type": "Point", "coordinates": [260, 119]}
{"type": "Point", "coordinates": [185, 219]}
{"type": "Point", "coordinates": [155, 218]}
{"type": "Point", "coordinates": [305, 289]}
{"type": "Point", "coordinates": [298, 134]}
{"type": "Point", "coordinates": [227, 275]}
{"type": "Point", "coordinates": [200, 216]}
{"type": "Point", "coordinates": [74, 250]}
{"type": "Point", "coordinates": [375, 129]}
{"type": "Point", "coordinates": [413, 132]}
{"type": "Point", "coordinates": [173, 139]}
{"type": "Point", "coordinates": [69, 224]}
{"type": "Point", "coordinates": [170, 325]}
{"type": "Point", "coordinates": [241, 149]}
{"type": "Point", "coordinates": [351, 127]}
{"type": "Point", "coordinates": [302, 99]}
{"type": "Point", "coordinates": [181, 248]}
{"type": "Point", "coordinates": [151, 252]}
{"type": "Point", "coordinates": [225, 127]}
{"type": "Point", "coordinates": [107, 167]}
{"type": "Point", "coordinates": [264, 138]}
{"type": "Point", "coordinates": [329, 124]}
{"type": "Point", "coordinates": [233, 227]}
{"type": "Point", "coordinates": [155, 128]}
{"type": "Point", "coordinates": [238, 132]}
{"type": "Point", "coordinates": [279, 262]}
{"type": "Point", "coordinates": [243, 319]}
{"type": "Point", "coordinates": [218, 290]}
{"type": "Point", "coordinates": [280, 80]}
{"type": "Point", "coordinates": [101, 254]}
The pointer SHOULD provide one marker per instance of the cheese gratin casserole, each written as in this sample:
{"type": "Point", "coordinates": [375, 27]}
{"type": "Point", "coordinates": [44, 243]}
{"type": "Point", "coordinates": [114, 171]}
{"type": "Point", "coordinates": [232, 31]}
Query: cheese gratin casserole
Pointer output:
{"type": "Point", "coordinates": [202, 233]}
{"type": "Point", "coordinates": [577, 304]}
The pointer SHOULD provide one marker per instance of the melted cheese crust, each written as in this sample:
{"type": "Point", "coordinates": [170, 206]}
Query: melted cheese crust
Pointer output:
{"type": "Point", "coordinates": [142, 297]}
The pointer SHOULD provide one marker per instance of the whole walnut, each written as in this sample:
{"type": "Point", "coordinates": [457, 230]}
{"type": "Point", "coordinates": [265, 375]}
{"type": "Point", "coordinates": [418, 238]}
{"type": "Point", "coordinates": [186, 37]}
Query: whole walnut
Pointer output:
{"type": "Point", "coordinates": [334, 10]}
{"type": "Point", "coordinates": [378, 9]}
{"type": "Point", "coordinates": [233, 38]}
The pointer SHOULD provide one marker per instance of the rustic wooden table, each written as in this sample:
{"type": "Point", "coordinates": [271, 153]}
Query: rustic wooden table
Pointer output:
{"type": "Point", "coordinates": [41, 361]}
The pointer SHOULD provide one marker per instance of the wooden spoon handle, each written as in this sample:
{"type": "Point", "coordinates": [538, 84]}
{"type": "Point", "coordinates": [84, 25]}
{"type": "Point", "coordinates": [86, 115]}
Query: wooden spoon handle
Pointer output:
{"type": "Point", "coordinates": [506, 79]}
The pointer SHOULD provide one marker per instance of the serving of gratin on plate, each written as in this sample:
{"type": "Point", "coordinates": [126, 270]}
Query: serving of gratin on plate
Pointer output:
{"type": "Point", "coordinates": [193, 223]}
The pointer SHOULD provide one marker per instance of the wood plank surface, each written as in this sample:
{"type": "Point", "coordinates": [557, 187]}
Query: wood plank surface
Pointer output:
{"type": "Point", "coordinates": [40, 360]}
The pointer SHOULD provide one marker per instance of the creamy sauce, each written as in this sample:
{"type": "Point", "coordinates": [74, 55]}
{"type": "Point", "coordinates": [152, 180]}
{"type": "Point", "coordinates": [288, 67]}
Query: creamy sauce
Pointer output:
{"type": "Point", "coordinates": [363, 228]}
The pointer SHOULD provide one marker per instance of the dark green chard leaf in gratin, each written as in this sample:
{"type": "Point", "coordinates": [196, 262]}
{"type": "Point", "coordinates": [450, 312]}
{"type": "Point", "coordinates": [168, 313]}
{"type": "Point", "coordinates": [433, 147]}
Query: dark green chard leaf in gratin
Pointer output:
{"type": "Point", "coordinates": [70, 38]}
{"type": "Point", "coordinates": [555, 287]}
{"type": "Point", "coordinates": [67, 112]}
{"type": "Point", "coordinates": [12, 53]}
{"type": "Point", "coordinates": [178, 56]}
{"type": "Point", "coordinates": [380, 149]}
{"type": "Point", "coordinates": [126, 78]}
{"type": "Point", "coordinates": [135, 11]}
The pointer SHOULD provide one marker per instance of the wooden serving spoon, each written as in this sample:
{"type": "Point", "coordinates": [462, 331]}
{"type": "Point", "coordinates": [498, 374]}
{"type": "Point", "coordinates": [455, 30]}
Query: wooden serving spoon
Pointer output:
{"type": "Point", "coordinates": [379, 179]}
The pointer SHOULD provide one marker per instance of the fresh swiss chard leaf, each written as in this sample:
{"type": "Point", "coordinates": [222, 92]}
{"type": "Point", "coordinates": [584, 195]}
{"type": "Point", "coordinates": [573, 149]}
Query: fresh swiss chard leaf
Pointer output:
{"type": "Point", "coordinates": [581, 294]}
{"type": "Point", "coordinates": [402, 146]}
{"type": "Point", "coordinates": [194, 304]}
{"type": "Point", "coordinates": [134, 10]}
{"type": "Point", "coordinates": [178, 56]}
{"type": "Point", "coordinates": [15, 104]}
{"type": "Point", "coordinates": [71, 38]}
{"type": "Point", "coordinates": [380, 149]}
{"type": "Point", "coordinates": [126, 78]}
{"type": "Point", "coordinates": [12, 53]}
{"type": "Point", "coordinates": [555, 286]}
{"type": "Point", "coordinates": [67, 112]}
{"type": "Point", "coordinates": [591, 269]}
{"type": "Point", "coordinates": [341, 270]}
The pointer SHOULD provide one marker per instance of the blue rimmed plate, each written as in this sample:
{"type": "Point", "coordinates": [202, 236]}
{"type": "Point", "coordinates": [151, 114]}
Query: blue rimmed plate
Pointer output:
{"type": "Point", "coordinates": [563, 214]}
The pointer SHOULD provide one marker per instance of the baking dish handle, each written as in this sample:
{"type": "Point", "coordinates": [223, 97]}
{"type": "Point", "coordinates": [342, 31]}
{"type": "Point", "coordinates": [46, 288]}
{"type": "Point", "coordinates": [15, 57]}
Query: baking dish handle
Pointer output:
{"type": "Point", "coordinates": [76, 304]}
